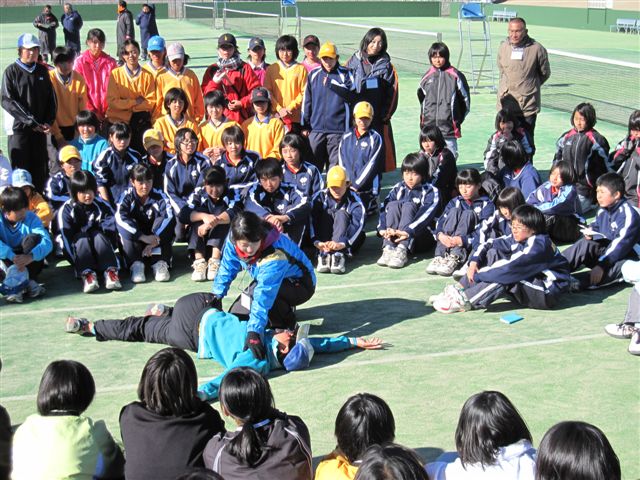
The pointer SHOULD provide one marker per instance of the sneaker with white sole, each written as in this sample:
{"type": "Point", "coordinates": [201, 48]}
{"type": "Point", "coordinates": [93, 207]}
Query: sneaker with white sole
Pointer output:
{"type": "Point", "coordinates": [112, 279]}
{"type": "Point", "coordinates": [161, 271]}
{"type": "Point", "coordinates": [338, 263]}
{"type": "Point", "coordinates": [137, 272]}
{"type": "Point", "coordinates": [199, 270]}
{"type": "Point", "coordinates": [77, 325]}
{"type": "Point", "coordinates": [90, 281]}
{"type": "Point", "coordinates": [34, 289]}
{"type": "Point", "coordinates": [398, 258]}
{"type": "Point", "coordinates": [461, 272]}
{"type": "Point", "coordinates": [433, 298]}
{"type": "Point", "coordinates": [620, 330]}
{"type": "Point", "coordinates": [324, 263]}
{"type": "Point", "coordinates": [434, 266]}
{"type": "Point", "coordinates": [387, 252]}
{"type": "Point", "coordinates": [212, 268]}
{"type": "Point", "coordinates": [634, 345]}
{"type": "Point", "coordinates": [15, 297]}
{"type": "Point", "coordinates": [448, 265]}
{"type": "Point", "coordinates": [453, 300]}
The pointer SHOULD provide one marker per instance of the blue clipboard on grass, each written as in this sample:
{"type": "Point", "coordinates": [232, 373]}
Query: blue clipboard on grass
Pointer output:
{"type": "Point", "coordinates": [511, 317]}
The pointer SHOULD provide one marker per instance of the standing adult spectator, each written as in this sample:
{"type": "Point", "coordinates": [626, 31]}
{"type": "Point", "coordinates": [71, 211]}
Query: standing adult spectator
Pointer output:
{"type": "Point", "coordinates": [524, 67]}
{"type": "Point", "coordinates": [376, 82]}
{"type": "Point", "coordinates": [28, 96]}
{"type": "Point", "coordinates": [71, 25]}
{"type": "Point", "coordinates": [124, 27]}
{"type": "Point", "coordinates": [146, 20]}
{"type": "Point", "coordinates": [46, 23]}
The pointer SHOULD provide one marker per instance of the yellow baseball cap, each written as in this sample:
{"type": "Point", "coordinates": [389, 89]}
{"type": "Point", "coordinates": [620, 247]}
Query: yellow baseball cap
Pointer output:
{"type": "Point", "coordinates": [67, 153]}
{"type": "Point", "coordinates": [363, 110]}
{"type": "Point", "coordinates": [328, 50]}
{"type": "Point", "coordinates": [152, 137]}
{"type": "Point", "coordinates": [337, 177]}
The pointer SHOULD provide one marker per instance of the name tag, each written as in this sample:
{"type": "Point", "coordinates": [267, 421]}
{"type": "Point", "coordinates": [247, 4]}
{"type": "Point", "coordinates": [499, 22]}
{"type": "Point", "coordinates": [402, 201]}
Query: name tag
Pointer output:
{"type": "Point", "coordinates": [517, 54]}
{"type": "Point", "coordinates": [371, 83]}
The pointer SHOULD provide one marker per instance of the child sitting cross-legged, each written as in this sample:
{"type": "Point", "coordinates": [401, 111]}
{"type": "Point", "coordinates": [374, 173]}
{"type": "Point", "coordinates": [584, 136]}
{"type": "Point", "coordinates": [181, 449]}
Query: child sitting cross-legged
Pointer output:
{"type": "Point", "coordinates": [525, 265]}
{"type": "Point", "coordinates": [146, 225]}
{"type": "Point", "coordinates": [337, 222]}
{"type": "Point", "coordinates": [89, 234]}
{"type": "Point", "coordinates": [209, 211]}
{"type": "Point", "coordinates": [459, 223]}
{"type": "Point", "coordinates": [408, 213]}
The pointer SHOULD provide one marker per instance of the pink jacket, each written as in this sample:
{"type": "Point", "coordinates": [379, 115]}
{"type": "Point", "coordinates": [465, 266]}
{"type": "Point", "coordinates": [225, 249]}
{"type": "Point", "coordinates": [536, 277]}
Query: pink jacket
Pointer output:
{"type": "Point", "coordinates": [96, 75]}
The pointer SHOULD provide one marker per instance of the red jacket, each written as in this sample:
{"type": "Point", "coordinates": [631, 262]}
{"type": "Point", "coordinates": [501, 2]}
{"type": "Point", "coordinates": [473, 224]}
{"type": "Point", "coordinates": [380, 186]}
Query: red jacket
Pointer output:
{"type": "Point", "coordinates": [237, 85]}
{"type": "Point", "coordinates": [97, 79]}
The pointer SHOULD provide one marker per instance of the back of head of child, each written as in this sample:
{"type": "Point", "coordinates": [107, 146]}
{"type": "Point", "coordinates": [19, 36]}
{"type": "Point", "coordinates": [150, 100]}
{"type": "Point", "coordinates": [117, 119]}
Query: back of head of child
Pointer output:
{"type": "Point", "coordinates": [513, 155]}
{"type": "Point", "coordinates": [249, 227]}
{"type": "Point", "coordinates": [80, 182]}
{"type": "Point", "coordinates": [468, 176]}
{"type": "Point", "coordinates": [530, 217]}
{"type": "Point", "coordinates": [66, 388]}
{"type": "Point", "coordinates": [246, 396]}
{"type": "Point", "coordinates": [391, 462]}
{"type": "Point", "coordinates": [612, 182]}
{"type": "Point", "coordinates": [433, 134]}
{"type": "Point", "coordinates": [488, 421]}
{"type": "Point", "coordinates": [268, 168]}
{"type": "Point", "coordinates": [416, 163]}
{"type": "Point", "coordinates": [510, 198]}
{"type": "Point", "coordinates": [504, 116]}
{"type": "Point", "coordinates": [364, 420]}
{"type": "Point", "coordinates": [586, 111]}
{"type": "Point", "coordinates": [13, 199]}
{"type": "Point", "coordinates": [576, 451]}
{"type": "Point", "coordinates": [169, 383]}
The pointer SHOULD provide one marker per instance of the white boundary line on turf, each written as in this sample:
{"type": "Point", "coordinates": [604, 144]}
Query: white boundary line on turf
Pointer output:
{"type": "Point", "coordinates": [380, 361]}
{"type": "Point", "coordinates": [4, 314]}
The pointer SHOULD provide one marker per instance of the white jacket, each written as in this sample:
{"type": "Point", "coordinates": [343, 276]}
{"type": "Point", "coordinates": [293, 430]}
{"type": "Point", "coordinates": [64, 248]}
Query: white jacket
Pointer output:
{"type": "Point", "coordinates": [513, 462]}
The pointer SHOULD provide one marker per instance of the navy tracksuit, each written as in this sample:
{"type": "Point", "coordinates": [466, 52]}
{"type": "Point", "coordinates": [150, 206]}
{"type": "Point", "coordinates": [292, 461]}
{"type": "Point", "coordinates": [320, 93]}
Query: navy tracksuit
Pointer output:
{"type": "Point", "coordinates": [561, 209]}
{"type": "Point", "coordinates": [533, 272]}
{"type": "Point", "coordinates": [241, 174]}
{"type": "Point", "coordinates": [307, 179]}
{"type": "Point", "coordinates": [112, 171]}
{"type": "Point", "coordinates": [338, 220]}
{"type": "Point", "coordinates": [442, 173]}
{"type": "Point", "coordinates": [527, 179]}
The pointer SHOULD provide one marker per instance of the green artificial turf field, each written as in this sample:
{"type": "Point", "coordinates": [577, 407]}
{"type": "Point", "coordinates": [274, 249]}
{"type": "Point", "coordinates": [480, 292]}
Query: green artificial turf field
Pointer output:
{"type": "Point", "coordinates": [554, 365]}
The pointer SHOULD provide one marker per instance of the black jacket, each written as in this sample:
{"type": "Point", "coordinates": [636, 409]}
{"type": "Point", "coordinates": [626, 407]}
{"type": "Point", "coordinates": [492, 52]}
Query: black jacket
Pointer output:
{"type": "Point", "coordinates": [28, 96]}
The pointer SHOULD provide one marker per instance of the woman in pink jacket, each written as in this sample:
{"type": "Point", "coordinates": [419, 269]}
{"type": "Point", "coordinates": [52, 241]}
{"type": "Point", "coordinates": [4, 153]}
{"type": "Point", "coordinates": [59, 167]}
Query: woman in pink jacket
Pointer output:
{"type": "Point", "coordinates": [95, 66]}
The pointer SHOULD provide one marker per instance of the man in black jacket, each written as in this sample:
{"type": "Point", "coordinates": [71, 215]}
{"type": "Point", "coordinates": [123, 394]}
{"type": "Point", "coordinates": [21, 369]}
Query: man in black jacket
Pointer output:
{"type": "Point", "coordinates": [28, 96]}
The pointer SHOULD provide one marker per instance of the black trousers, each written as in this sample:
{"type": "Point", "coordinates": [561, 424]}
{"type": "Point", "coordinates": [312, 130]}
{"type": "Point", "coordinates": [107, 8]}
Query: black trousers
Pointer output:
{"type": "Point", "coordinates": [177, 326]}
{"type": "Point", "coordinates": [28, 150]}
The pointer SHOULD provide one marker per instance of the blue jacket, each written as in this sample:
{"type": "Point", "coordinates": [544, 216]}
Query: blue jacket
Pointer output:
{"type": "Point", "coordinates": [325, 104]}
{"type": "Point", "coordinates": [564, 202]}
{"type": "Point", "coordinates": [425, 195]}
{"type": "Point", "coordinates": [90, 150]}
{"type": "Point", "coordinates": [493, 227]}
{"type": "Point", "coordinates": [482, 208]}
{"type": "Point", "coordinates": [75, 218]}
{"type": "Point", "coordinates": [222, 336]}
{"type": "Point", "coordinates": [620, 225]}
{"type": "Point", "coordinates": [155, 216]}
{"type": "Point", "coordinates": [350, 202]}
{"type": "Point", "coordinates": [442, 172]}
{"type": "Point", "coordinates": [360, 156]}
{"type": "Point", "coordinates": [536, 257]}
{"type": "Point", "coordinates": [180, 179]}
{"type": "Point", "coordinates": [57, 190]}
{"type": "Point", "coordinates": [280, 259]}
{"type": "Point", "coordinates": [241, 174]}
{"type": "Point", "coordinates": [147, 24]}
{"type": "Point", "coordinates": [200, 201]}
{"type": "Point", "coordinates": [307, 179]}
{"type": "Point", "coordinates": [11, 237]}
{"type": "Point", "coordinates": [527, 179]}
{"type": "Point", "coordinates": [112, 171]}
{"type": "Point", "coordinates": [286, 200]}
{"type": "Point", "coordinates": [71, 25]}
{"type": "Point", "coordinates": [493, 162]}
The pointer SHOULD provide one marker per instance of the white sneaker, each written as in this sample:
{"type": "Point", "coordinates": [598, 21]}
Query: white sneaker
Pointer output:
{"type": "Point", "coordinates": [634, 346]}
{"type": "Point", "coordinates": [112, 279]}
{"type": "Point", "coordinates": [212, 268]}
{"type": "Point", "coordinates": [448, 265]}
{"type": "Point", "coordinates": [433, 298]}
{"type": "Point", "coordinates": [451, 304]}
{"type": "Point", "coordinates": [461, 272]}
{"type": "Point", "coordinates": [161, 271]}
{"type": "Point", "coordinates": [34, 289]}
{"type": "Point", "coordinates": [620, 330]}
{"type": "Point", "coordinates": [434, 266]}
{"type": "Point", "coordinates": [199, 270]}
{"type": "Point", "coordinates": [337, 263]}
{"type": "Point", "coordinates": [90, 281]}
{"type": "Point", "coordinates": [387, 251]}
{"type": "Point", "coordinates": [398, 257]}
{"type": "Point", "coordinates": [324, 263]}
{"type": "Point", "coordinates": [137, 272]}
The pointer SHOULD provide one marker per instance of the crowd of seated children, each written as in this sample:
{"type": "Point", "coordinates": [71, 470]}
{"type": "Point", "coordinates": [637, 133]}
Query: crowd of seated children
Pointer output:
{"type": "Point", "coordinates": [281, 204]}
{"type": "Point", "coordinates": [408, 213]}
{"type": "Point", "coordinates": [441, 163]}
{"type": "Point", "coordinates": [337, 222]}
{"type": "Point", "coordinates": [625, 159]}
{"type": "Point", "coordinates": [507, 129]}
{"type": "Point", "coordinates": [208, 213]}
{"type": "Point", "coordinates": [216, 122]}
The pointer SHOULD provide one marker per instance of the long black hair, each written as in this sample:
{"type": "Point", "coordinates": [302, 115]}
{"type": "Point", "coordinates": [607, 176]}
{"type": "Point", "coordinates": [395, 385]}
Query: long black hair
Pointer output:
{"type": "Point", "coordinates": [66, 387]}
{"type": "Point", "coordinates": [391, 462]}
{"type": "Point", "coordinates": [368, 38]}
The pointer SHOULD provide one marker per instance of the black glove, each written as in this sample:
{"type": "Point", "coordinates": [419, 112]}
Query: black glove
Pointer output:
{"type": "Point", "coordinates": [253, 342]}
